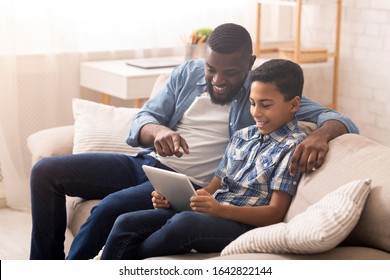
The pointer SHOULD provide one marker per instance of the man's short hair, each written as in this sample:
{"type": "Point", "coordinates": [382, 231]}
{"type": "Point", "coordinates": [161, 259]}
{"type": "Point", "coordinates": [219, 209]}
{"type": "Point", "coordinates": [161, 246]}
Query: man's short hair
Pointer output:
{"type": "Point", "coordinates": [286, 75]}
{"type": "Point", "coordinates": [230, 38]}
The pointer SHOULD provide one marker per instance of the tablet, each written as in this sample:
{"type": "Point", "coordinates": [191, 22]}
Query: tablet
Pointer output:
{"type": "Point", "coordinates": [175, 187]}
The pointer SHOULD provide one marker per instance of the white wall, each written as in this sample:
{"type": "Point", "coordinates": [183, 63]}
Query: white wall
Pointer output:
{"type": "Point", "coordinates": [365, 60]}
{"type": "Point", "coordinates": [364, 78]}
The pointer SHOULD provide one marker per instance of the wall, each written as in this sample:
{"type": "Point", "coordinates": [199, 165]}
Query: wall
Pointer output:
{"type": "Point", "coordinates": [365, 59]}
{"type": "Point", "coordinates": [364, 79]}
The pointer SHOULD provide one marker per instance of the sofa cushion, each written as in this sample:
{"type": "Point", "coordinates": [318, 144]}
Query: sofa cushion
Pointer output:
{"type": "Point", "coordinates": [100, 128]}
{"type": "Point", "coordinates": [80, 210]}
{"type": "Point", "coordinates": [50, 142]}
{"type": "Point", "coordinates": [338, 253]}
{"type": "Point", "coordinates": [352, 157]}
{"type": "Point", "coordinates": [320, 228]}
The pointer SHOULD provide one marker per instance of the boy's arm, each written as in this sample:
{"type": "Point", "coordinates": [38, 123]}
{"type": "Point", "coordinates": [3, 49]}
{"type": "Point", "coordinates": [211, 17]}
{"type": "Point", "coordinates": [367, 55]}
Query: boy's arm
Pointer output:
{"type": "Point", "coordinates": [283, 189]}
{"type": "Point", "coordinates": [213, 186]}
{"type": "Point", "coordinates": [252, 215]}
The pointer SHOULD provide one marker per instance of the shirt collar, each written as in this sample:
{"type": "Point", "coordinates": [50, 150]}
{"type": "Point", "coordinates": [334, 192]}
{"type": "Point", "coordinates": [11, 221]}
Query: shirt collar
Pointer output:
{"type": "Point", "coordinates": [280, 134]}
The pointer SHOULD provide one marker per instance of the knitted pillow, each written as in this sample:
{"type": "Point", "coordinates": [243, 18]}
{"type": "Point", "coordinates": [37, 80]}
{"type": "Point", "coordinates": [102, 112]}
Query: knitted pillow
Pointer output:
{"type": "Point", "coordinates": [321, 227]}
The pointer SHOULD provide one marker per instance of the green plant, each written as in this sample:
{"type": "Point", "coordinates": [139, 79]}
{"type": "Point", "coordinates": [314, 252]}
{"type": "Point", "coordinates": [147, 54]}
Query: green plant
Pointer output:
{"type": "Point", "coordinates": [201, 35]}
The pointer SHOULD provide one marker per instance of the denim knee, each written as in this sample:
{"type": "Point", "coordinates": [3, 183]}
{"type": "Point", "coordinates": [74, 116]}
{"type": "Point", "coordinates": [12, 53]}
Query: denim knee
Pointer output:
{"type": "Point", "coordinates": [41, 172]}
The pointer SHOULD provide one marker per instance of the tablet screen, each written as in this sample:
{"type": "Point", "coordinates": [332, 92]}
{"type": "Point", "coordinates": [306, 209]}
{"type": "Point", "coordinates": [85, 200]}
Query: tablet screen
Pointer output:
{"type": "Point", "coordinates": [175, 187]}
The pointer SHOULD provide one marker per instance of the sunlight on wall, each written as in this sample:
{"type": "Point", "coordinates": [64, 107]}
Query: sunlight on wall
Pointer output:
{"type": "Point", "coordinates": [45, 26]}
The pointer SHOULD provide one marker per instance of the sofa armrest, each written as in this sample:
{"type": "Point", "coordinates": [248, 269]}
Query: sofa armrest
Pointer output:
{"type": "Point", "coordinates": [51, 142]}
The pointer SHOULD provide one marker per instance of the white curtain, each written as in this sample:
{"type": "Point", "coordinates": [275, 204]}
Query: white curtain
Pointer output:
{"type": "Point", "coordinates": [43, 42]}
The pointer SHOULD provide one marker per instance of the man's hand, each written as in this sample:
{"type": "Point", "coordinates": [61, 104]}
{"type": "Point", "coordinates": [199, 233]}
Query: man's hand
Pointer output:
{"type": "Point", "coordinates": [166, 141]}
{"type": "Point", "coordinates": [159, 201]}
{"type": "Point", "coordinates": [310, 153]}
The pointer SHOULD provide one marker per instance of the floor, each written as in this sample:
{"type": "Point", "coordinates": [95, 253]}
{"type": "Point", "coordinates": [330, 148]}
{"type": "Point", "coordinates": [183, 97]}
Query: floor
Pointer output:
{"type": "Point", "coordinates": [15, 232]}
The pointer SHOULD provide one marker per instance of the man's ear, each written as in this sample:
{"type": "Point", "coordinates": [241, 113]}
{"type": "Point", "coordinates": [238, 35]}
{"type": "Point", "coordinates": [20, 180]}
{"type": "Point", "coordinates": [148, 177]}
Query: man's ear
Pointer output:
{"type": "Point", "coordinates": [295, 104]}
{"type": "Point", "coordinates": [251, 62]}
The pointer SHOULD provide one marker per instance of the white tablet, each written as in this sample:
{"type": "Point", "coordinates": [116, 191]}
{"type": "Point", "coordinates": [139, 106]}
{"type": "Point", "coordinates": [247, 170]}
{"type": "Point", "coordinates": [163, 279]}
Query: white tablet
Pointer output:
{"type": "Point", "coordinates": [175, 187]}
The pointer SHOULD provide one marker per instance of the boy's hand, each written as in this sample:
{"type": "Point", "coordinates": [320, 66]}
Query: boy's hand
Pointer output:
{"type": "Point", "coordinates": [205, 203]}
{"type": "Point", "coordinates": [159, 201]}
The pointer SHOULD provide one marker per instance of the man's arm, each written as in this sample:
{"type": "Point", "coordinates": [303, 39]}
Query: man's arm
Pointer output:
{"type": "Point", "coordinates": [158, 110]}
{"type": "Point", "coordinates": [166, 141]}
{"type": "Point", "coordinates": [313, 112]}
{"type": "Point", "coordinates": [310, 153]}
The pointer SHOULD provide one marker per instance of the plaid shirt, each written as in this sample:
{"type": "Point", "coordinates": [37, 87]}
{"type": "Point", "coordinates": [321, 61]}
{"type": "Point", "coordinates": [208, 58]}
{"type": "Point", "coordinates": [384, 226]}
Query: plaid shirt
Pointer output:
{"type": "Point", "coordinates": [254, 165]}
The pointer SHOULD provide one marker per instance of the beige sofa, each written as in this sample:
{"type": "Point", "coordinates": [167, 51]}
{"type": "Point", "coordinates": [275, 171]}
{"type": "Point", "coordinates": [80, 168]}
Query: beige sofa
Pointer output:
{"type": "Point", "coordinates": [351, 157]}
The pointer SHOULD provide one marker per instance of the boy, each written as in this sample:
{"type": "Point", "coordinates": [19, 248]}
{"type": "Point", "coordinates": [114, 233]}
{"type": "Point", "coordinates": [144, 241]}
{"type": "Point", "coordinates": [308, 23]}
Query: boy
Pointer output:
{"type": "Point", "coordinates": [252, 186]}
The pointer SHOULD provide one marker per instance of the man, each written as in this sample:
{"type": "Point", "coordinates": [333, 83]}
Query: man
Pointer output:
{"type": "Point", "coordinates": [187, 137]}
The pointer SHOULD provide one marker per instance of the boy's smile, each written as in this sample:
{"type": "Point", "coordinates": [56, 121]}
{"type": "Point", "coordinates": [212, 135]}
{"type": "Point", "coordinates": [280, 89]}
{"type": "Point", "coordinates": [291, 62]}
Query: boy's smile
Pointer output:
{"type": "Point", "coordinates": [269, 108]}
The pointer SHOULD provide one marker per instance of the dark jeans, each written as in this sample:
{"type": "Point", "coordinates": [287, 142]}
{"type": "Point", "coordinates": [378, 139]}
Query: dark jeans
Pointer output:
{"type": "Point", "coordinates": [117, 179]}
{"type": "Point", "coordinates": [158, 232]}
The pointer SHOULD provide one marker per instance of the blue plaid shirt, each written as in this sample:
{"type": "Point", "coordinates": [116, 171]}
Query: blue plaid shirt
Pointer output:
{"type": "Point", "coordinates": [254, 165]}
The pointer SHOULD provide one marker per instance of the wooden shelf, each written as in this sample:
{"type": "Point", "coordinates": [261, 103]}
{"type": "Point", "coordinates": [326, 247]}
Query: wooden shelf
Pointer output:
{"type": "Point", "coordinates": [299, 54]}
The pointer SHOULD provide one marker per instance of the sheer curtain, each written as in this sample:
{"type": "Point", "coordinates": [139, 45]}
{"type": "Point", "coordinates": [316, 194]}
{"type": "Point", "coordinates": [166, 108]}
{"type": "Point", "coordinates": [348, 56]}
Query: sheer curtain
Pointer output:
{"type": "Point", "coordinates": [43, 42]}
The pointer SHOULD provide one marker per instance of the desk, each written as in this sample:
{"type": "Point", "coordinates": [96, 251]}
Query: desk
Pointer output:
{"type": "Point", "coordinates": [116, 78]}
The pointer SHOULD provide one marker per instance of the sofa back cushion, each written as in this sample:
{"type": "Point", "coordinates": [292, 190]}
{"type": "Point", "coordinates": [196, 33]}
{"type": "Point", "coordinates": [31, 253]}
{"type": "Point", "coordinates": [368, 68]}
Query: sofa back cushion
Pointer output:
{"type": "Point", "coordinates": [100, 128]}
{"type": "Point", "coordinates": [353, 157]}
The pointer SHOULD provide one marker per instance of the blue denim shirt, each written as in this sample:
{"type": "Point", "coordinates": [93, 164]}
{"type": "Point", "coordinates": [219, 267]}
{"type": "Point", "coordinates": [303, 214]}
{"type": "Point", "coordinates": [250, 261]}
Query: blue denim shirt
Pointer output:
{"type": "Point", "coordinates": [187, 81]}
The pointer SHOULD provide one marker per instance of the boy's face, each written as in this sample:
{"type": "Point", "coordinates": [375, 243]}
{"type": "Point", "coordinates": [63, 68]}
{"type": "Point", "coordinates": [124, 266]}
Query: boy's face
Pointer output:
{"type": "Point", "coordinates": [225, 74]}
{"type": "Point", "coordinates": [268, 107]}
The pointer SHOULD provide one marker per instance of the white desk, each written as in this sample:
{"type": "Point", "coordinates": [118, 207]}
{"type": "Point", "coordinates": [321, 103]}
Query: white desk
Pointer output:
{"type": "Point", "coordinates": [116, 78]}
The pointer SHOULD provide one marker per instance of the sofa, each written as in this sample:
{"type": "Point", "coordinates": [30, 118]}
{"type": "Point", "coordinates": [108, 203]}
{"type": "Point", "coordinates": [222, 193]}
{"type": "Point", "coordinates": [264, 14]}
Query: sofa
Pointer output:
{"type": "Point", "coordinates": [326, 219]}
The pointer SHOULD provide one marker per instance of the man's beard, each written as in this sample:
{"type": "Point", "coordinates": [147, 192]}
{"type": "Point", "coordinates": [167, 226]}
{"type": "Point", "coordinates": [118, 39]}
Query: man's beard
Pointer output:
{"type": "Point", "coordinates": [228, 98]}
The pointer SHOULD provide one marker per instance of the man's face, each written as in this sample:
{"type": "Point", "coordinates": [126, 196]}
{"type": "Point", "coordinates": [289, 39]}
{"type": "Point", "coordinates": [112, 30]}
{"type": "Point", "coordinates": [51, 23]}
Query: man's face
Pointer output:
{"type": "Point", "coordinates": [225, 74]}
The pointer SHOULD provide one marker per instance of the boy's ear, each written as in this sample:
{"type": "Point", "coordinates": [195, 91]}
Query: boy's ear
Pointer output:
{"type": "Point", "coordinates": [295, 104]}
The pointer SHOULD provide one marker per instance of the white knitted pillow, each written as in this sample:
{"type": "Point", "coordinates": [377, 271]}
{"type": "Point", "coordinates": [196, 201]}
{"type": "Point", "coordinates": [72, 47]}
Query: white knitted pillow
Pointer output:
{"type": "Point", "coordinates": [100, 128]}
{"type": "Point", "coordinates": [320, 228]}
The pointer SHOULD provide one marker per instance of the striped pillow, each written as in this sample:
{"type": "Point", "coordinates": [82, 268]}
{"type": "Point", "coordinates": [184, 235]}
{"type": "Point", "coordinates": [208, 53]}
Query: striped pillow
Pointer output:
{"type": "Point", "coordinates": [320, 228]}
{"type": "Point", "coordinates": [100, 128]}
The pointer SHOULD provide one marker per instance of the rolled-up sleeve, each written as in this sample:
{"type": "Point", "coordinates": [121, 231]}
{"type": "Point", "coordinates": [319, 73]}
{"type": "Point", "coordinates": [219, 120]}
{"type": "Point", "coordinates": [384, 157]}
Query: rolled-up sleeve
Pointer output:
{"type": "Point", "coordinates": [157, 110]}
{"type": "Point", "coordinates": [332, 115]}
{"type": "Point", "coordinates": [172, 100]}
{"type": "Point", "coordinates": [313, 112]}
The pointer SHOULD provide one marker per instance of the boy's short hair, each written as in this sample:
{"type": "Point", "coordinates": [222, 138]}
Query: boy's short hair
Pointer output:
{"type": "Point", "coordinates": [286, 75]}
{"type": "Point", "coordinates": [230, 38]}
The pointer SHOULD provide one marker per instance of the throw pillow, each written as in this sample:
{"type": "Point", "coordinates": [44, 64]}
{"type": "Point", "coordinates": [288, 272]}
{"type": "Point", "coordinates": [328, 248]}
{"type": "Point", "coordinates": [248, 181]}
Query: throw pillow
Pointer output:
{"type": "Point", "coordinates": [100, 128]}
{"type": "Point", "coordinates": [320, 228]}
